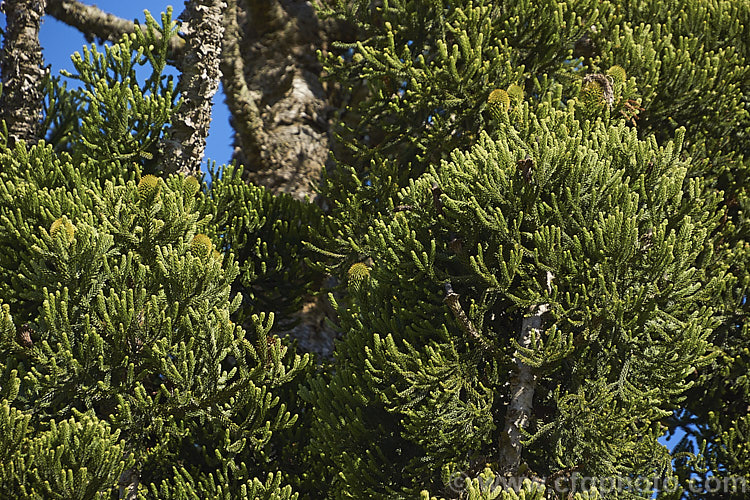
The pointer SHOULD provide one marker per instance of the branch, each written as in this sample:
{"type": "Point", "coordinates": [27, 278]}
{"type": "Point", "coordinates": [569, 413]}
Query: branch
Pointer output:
{"type": "Point", "coordinates": [94, 22]}
{"type": "Point", "coordinates": [128, 484]}
{"type": "Point", "coordinates": [185, 145]}
{"type": "Point", "coordinates": [266, 15]}
{"type": "Point", "coordinates": [240, 101]}
{"type": "Point", "coordinates": [464, 322]}
{"type": "Point", "coordinates": [22, 70]}
{"type": "Point", "coordinates": [522, 386]}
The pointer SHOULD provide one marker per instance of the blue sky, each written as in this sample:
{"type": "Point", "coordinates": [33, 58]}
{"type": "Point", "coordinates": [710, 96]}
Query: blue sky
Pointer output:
{"type": "Point", "coordinates": [59, 41]}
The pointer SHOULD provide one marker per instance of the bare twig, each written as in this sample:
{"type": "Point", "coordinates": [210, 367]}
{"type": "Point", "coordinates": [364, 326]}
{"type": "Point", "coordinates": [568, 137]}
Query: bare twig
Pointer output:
{"type": "Point", "coordinates": [551, 481]}
{"type": "Point", "coordinates": [403, 208]}
{"type": "Point", "coordinates": [23, 335]}
{"type": "Point", "coordinates": [94, 22]}
{"type": "Point", "coordinates": [526, 167]}
{"type": "Point", "coordinates": [451, 298]}
{"type": "Point", "coordinates": [22, 70]}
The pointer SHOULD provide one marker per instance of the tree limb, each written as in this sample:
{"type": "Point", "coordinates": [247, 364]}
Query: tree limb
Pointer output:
{"type": "Point", "coordinates": [94, 22]}
{"type": "Point", "coordinates": [522, 386]}
{"type": "Point", "coordinates": [185, 144]}
{"type": "Point", "coordinates": [22, 70]}
{"type": "Point", "coordinates": [267, 15]}
{"type": "Point", "coordinates": [240, 101]}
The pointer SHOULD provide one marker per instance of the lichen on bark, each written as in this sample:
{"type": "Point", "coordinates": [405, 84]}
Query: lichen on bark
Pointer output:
{"type": "Point", "coordinates": [184, 147]}
{"type": "Point", "coordinates": [22, 70]}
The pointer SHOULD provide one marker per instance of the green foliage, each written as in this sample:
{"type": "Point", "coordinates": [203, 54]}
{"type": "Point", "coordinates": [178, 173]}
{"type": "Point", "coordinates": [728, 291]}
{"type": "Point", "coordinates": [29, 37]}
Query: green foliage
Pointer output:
{"type": "Point", "coordinates": [111, 119]}
{"type": "Point", "coordinates": [130, 321]}
{"type": "Point", "coordinates": [184, 487]}
{"type": "Point", "coordinates": [576, 165]}
{"type": "Point", "coordinates": [489, 486]}
{"type": "Point", "coordinates": [691, 61]}
{"type": "Point", "coordinates": [133, 355]}
{"type": "Point", "coordinates": [516, 157]}
{"type": "Point", "coordinates": [267, 234]}
{"type": "Point", "coordinates": [80, 458]}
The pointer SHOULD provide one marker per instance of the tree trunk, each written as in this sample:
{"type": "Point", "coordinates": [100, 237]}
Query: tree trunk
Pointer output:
{"type": "Point", "coordinates": [522, 387]}
{"type": "Point", "coordinates": [290, 143]}
{"type": "Point", "coordinates": [281, 113]}
{"type": "Point", "coordinates": [22, 70]}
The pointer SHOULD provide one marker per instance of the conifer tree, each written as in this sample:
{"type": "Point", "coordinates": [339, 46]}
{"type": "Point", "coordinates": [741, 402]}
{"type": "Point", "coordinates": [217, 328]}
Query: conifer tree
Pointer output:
{"type": "Point", "coordinates": [125, 363]}
{"type": "Point", "coordinates": [482, 324]}
{"type": "Point", "coordinates": [533, 236]}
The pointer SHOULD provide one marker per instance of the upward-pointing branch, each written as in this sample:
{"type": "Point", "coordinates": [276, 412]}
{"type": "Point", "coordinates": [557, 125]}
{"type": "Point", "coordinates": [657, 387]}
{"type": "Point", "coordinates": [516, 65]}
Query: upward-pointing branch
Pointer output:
{"type": "Point", "coordinates": [21, 100]}
{"type": "Point", "coordinates": [245, 114]}
{"type": "Point", "coordinates": [203, 26]}
{"type": "Point", "coordinates": [522, 387]}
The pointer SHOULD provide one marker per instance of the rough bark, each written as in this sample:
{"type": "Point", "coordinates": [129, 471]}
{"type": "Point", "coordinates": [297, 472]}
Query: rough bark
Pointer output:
{"type": "Point", "coordinates": [128, 485]}
{"type": "Point", "coordinates": [22, 70]}
{"type": "Point", "coordinates": [522, 387]}
{"type": "Point", "coordinates": [240, 100]}
{"type": "Point", "coordinates": [185, 145]}
{"type": "Point", "coordinates": [280, 39]}
{"type": "Point", "coordinates": [95, 23]}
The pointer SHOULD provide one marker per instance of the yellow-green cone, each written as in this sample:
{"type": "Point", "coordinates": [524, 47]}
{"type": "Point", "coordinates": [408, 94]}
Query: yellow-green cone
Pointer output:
{"type": "Point", "coordinates": [592, 96]}
{"type": "Point", "coordinates": [358, 274]}
{"type": "Point", "coordinates": [64, 226]}
{"type": "Point", "coordinates": [148, 189]}
{"type": "Point", "coordinates": [618, 74]}
{"type": "Point", "coordinates": [497, 101]}
{"type": "Point", "coordinates": [191, 186]}
{"type": "Point", "coordinates": [201, 246]}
